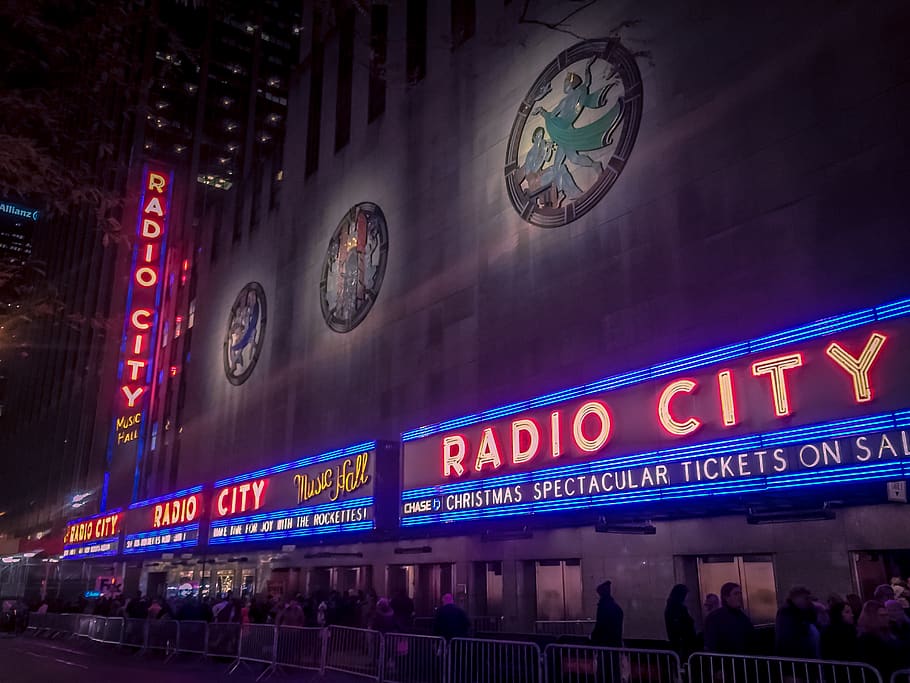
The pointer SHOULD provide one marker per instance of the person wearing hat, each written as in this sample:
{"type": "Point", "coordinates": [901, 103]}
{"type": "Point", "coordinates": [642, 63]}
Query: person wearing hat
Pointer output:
{"type": "Point", "coordinates": [796, 634]}
{"type": "Point", "coordinates": [384, 617]}
{"type": "Point", "coordinates": [608, 625]}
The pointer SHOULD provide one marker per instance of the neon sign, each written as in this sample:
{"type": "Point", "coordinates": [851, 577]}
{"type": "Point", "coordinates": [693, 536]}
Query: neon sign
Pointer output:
{"type": "Point", "coordinates": [165, 523]}
{"type": "Point", "coordinates": [97, 536]}
{"type": "Point", "coordinates": [821, 403]}
{"type": "Point", "coordinates": [323, 494]}
{"type": "Point", "coordinates": [135, 371]}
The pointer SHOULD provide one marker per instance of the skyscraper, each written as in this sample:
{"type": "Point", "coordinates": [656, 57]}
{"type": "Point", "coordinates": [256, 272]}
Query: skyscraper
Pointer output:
{"type": "Point", "coordinates": [206, 98]}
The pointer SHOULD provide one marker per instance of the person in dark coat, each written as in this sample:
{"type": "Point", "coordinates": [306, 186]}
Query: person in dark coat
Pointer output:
{"type": "Point", "coordinates": [383, 619]}
{"type": "Point", "coordinates": [839, 639]}
{"type": "Point", "coordinates": [727, 629]}
{"type": "Point", "coordinates": [608, 625]}
{"type": "Point", "coordinates": [876, 644]}
{"type": "Point", "coordinates": [794, 629]}
{"type": "Point", "coordinates": [451, 621]}
{"type": "Point", "coordinates": [680, 625]}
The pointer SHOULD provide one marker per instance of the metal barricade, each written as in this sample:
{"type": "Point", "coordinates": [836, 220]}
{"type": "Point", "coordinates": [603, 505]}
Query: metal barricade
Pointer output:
{"type": "Point", "coordinates": [591, 664]}
{"type": "Point", "coordinates": [257, 645]}
{"type": "Point", "coordinates": [709, 668]}
{"type": "Point", "coordinates": [96, 629]}
{"type": "Point", "coordinates": [470, 660]}
{"type": "Point", "coordinates": [65, 625]}
{"type": "Point", "coordinates": [134, 632]}
{"type": "Point", "coordinates": [113, 631]}
{"type": "Point", "coordinates": [191, 637]}
{"type": "Point", "coordinates": [411, 658]}
{"type": "Point", "coordinates": [354, 650]}
{"type": "Point", "coordinates": [576, 627]}
{"type": "Point", "coordinates": [83, 625]}
{"type": "Point", "coordinates": [902, 676]}
{"type": "Point", "coordinates": [36, 622]}
{"type": "Point", "coordinates": [161, 636]}
{"type": "Point", "coordinates": [300, 648]}
{"type": "Point", "coordinates": [223, 640]}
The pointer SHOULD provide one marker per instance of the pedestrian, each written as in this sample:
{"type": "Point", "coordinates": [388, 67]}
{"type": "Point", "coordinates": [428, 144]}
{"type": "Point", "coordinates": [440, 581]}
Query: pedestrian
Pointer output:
{"type": "Point", "coordinates": [292, 615]}
{"type": "Point", "coordinates": [450, 620]}
{"type": "Point", "coordinates": [383, 618]}
{"type": "Point", "coordinates": [883, 593]}
{"type": "Point", "coordinates": [838, 640]}
{"type": "Point", "coordinates": [727, 629]}
{"type": "Point", "coordinates": [876, 644]}
{"type": "Point", "coordinates": [856, 604]}
{"type": "Point", "coordinates": [795, 634]}
{"type": "Point", "coordinates": [608, 622]}
{"type": "Point", "coordinates": [679, 623]}
{"type": "Point", "coordinates": [712, 602]}
{"type": "Point", "coordinates": [899, 623]}
{"type": "Point", "coordinates": [403, 606]}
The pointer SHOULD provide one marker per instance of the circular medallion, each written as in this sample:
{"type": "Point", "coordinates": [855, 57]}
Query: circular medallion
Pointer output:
{"type": "Point", "coordinates": [573, 132]}
{"type": "Point", "coordinates": [244, 334]}
{"type": "Point", "coordinates": [354, 267]}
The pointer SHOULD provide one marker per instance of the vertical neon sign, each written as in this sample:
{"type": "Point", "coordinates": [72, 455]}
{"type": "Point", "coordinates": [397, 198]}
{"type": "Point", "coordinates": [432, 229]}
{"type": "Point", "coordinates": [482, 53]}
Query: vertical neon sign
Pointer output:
{"type": "Point", "coordinates": [138, 345]}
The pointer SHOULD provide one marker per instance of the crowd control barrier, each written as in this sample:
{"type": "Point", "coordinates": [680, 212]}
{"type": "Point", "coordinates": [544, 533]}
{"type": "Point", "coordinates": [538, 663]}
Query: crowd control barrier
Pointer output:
{"type": "Point", "coordinates": [709, 668]}
{"type": "Point", "coordinates": [299, 647]}
{"type": "Point", "coordinates": [470, 660]}
{"type": "Point", "coordinates": [590, 664]}
{"type": "Point", "coordinates": [257, 645]}
{"type": "Point", "coordinates": [576, 627]}
{"type": "Point", "coordinates": [113, 631]}
{"type": "Point", "coordinates": [223, 640]}
{"type": "Point", "coordinates": [161, 636]}
{"type": "Point", "coordinates": [191, 637]}
{"type": "Point", "coordinates": [414, 658]}
{"type": "Point", "coordinates": [354, 651]}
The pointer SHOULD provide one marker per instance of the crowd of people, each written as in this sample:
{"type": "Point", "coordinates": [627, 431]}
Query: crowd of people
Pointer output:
{"type": "Point", "coordinates": [839, 628]}
{"type": "Point", "coordinates": [359, 609]}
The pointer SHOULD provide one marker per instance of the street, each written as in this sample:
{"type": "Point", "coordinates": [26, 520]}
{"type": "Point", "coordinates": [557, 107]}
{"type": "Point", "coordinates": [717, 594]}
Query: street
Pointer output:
{"type": "Point", "coordinates": [33, 660]}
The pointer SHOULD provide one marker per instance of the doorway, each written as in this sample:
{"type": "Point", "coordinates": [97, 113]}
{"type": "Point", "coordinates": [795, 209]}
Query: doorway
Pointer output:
{"type": "Point", "coordinates": [754, 573]}
{"type": "Point", "coordinates": [558, 590]}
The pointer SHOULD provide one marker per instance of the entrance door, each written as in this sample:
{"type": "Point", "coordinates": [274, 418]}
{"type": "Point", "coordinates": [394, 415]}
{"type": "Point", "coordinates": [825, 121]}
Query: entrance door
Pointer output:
{"type": "Point", "coordinates": [558, 585]}
{"type": "Point", "coordinates": [488, 592]}
{"type": "Point", "coordinates": [754, 573]}
{"type": "Point", "coordinates": [156, 584]}
{"type": "Point", "coordinates": [433, 581]}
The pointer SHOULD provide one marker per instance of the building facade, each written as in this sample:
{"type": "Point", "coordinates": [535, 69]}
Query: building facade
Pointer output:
{"type": "Point", "coordinates": [647, 279]}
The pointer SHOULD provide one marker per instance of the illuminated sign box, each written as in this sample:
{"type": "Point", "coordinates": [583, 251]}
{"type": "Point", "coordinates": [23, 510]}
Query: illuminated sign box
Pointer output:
{"type": "Point", "coordinates": [352, 489]}
{"type": "Point", "coordinates": [165, 523]}
{"type": "Point", "coordinates": [824, 403]}
{"type": "Point", "coordinates": [97, 536]}
{"type": "Point", "coordinates": [136, 367]}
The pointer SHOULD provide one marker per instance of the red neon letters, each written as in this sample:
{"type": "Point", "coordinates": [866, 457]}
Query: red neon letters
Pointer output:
{"type": "Point", "coordinates": [177, 511]}
{"type": "Point", "coordinates": [681, 409]}
{"type": "Point", "coordinates": [246, 497]}
{"type": "Point", "coordinates": [139, 345]}
{"type": "Point", "coordinates": [91, 529]}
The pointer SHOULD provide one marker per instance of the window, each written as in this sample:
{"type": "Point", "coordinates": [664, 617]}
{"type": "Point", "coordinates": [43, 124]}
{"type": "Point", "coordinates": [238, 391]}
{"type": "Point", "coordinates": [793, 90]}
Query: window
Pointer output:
{"type": "Point", "coordinates": [345, 80]}
{"type": "Point", "coordinates": [416, 57]}
{"type": "Point", "coordinates": [314, 113]}
{"type": "Point", "coordinates": [464, 15]}
{"type": "Point", "coordinates": [379, 30]}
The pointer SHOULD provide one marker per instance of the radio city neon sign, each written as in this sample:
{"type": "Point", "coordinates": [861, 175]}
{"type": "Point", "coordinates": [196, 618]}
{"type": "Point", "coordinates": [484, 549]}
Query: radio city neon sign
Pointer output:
{"type": "Point", "coordinates": [592, 425]}
{"type": "Point", "coordinates": [176, 511]}
{"type": "Point", "coordinates": [246, 497]}
{"type": "Point", "coordinates": [145, 281]}
{"type": "Point", "coordinates": [91, 529]}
